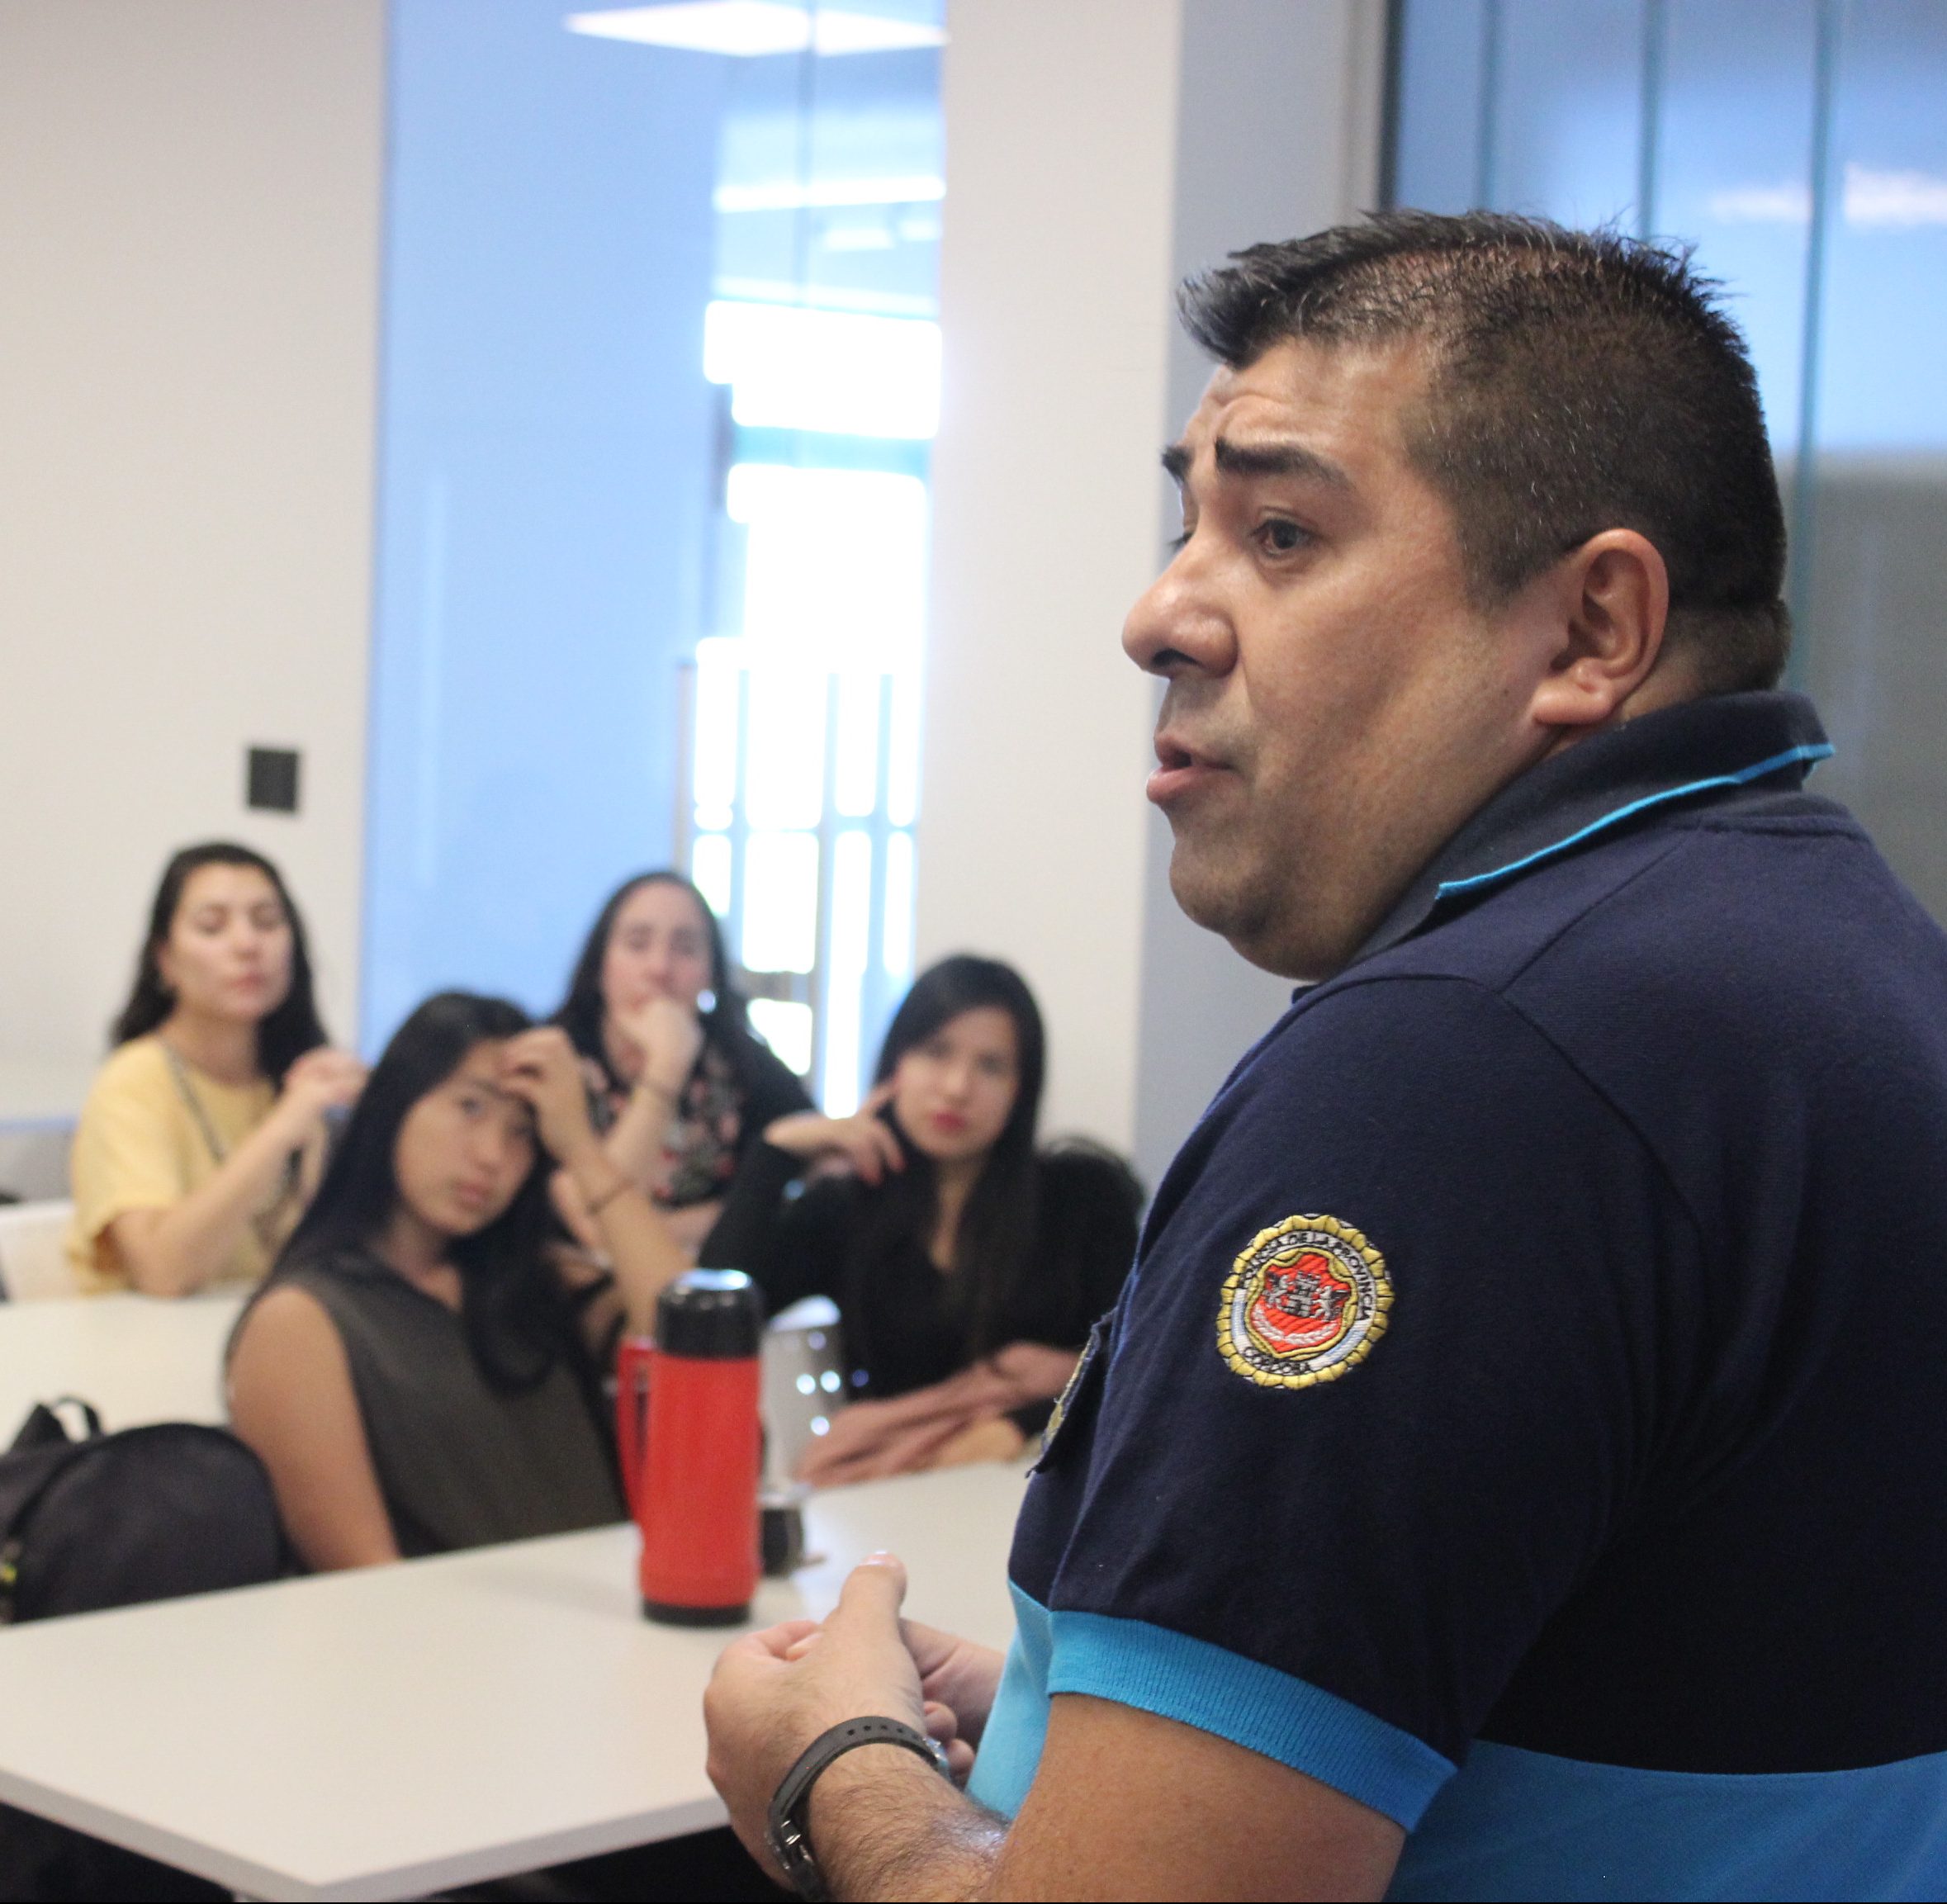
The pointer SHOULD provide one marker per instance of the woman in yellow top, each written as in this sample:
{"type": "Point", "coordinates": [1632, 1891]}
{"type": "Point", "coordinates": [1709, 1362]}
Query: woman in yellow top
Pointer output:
{"type": "Point", "coordinates": [204, 1134]}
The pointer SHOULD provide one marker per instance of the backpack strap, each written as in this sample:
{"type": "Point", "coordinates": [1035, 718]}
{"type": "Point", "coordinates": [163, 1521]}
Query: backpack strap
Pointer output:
{"type": "Point", "coordinates": [43, 1425]}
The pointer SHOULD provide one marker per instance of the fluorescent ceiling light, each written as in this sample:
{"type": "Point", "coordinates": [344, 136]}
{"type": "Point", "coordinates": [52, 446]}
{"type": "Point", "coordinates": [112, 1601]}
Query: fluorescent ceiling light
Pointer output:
{"type": "Point", "coordinates": [1885, 200]}
{"type": "Point", "coordinates": [748, 29]}
{"type": "Point", "coordinates": [788, 196]}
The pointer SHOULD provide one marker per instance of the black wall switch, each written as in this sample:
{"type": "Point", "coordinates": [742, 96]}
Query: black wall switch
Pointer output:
{"type": "Point", "coordinates": [270, 780]}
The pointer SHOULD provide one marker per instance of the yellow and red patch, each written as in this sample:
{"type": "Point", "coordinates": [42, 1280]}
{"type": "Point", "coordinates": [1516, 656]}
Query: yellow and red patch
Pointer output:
{"type": "Point", "coordinates": [1304, 1303]}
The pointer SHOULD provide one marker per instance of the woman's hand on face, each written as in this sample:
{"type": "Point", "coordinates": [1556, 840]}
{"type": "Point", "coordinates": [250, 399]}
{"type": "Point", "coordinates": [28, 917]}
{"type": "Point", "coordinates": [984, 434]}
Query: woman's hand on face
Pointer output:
{"type": "Point", "coordinates": [322, 1080]}
{"type": "Point", "coordinates": [540, 1066]}
{"type": "Point", "coordinates": [669, 1036]}
{"type": "Point", "coordinates": [864, 1139]}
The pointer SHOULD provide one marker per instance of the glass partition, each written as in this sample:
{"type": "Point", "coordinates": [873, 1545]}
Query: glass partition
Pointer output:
{"type": "Point", "coordinates": [661, 377]}
{"type": "Point", "coordinates": [1800, 146]}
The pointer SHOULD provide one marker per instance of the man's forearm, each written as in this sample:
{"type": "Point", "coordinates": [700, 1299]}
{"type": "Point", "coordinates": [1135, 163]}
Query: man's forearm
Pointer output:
{"type": "Point", "coordinates": [883, 1825]}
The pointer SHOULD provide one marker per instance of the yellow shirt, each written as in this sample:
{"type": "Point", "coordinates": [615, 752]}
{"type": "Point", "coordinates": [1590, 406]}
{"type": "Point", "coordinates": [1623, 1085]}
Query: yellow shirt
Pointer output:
{"type": "Point", "coordinates": [140, 1145]}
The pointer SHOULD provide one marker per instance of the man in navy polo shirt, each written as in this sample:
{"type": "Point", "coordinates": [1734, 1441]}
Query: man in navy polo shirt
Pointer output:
{"type": "Point", "coordinates": [1516, 1466]}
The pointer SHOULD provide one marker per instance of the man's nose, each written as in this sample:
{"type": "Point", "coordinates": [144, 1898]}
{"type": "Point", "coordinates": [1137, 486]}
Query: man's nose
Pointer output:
{"type": "Point", "coordinates": [1177, 626]}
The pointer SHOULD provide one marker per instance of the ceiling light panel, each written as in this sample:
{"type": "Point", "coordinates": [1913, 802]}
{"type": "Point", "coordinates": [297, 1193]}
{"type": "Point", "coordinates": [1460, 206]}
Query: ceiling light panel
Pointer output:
{"type": "Point", "coordinates": [749, 29]}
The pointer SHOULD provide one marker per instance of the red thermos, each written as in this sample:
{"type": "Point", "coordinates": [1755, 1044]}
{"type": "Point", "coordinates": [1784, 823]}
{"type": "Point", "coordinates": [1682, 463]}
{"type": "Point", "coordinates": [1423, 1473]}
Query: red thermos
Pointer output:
{"type": "Point", "coordinates": [686, 1406]}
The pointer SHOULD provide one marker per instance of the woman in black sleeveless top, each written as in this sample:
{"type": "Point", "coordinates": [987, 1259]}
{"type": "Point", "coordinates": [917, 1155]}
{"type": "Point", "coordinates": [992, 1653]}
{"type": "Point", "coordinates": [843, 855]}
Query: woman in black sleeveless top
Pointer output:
{"type": "Point", "coordinates": [967, 1266]}
{"type": "Point", "coordinates": [421, 1372]}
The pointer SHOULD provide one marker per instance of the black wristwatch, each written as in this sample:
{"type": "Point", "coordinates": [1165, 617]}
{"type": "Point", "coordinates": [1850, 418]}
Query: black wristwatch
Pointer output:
{"type": "Point", "coordinates": [784, 1830]}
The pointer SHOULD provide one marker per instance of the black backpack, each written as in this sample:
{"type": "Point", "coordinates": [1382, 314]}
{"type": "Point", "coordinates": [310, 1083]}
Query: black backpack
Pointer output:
{"type": "Point", "coordinates": [94, 1521]}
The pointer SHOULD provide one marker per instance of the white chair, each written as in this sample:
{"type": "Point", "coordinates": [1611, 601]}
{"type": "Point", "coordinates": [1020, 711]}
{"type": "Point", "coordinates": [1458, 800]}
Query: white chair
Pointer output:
{"type": "Point", "coordinates": [33, 1252]}
{"type": "Point", "coordinates": [804, 1383]}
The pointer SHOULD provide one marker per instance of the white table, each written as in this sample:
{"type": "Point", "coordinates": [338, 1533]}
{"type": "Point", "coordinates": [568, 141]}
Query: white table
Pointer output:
{"type": "Point", "coordinates": [405, 1729]}
{"type": "Point", "coordinates": [137, 1358]}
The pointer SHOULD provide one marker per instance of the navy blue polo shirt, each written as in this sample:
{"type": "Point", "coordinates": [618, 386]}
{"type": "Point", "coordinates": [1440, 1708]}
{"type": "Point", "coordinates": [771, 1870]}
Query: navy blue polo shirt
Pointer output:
{"type": "Point", "coordinates": [1529, 1411]}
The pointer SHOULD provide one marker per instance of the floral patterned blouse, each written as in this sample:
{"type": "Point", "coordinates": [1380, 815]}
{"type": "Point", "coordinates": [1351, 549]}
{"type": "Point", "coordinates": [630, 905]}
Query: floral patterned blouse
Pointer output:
{"type": "Point", "coordinates": [721, 1109]}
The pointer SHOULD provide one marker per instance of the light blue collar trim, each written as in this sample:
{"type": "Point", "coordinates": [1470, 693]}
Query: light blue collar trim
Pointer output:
{"type": "Point", "coordinates": [1810, 753]}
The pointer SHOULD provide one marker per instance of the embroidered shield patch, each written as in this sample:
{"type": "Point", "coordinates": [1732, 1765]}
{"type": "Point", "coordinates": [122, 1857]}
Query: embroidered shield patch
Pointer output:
{"type": "Point", "coordinates": [1305, 1302]}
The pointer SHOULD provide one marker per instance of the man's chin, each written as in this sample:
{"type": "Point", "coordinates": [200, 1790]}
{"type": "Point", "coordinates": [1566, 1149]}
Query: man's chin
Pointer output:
{"type": "Point", "coordinates": [1239, 909]}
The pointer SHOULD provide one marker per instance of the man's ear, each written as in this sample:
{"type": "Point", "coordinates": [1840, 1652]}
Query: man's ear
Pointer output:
{"type": "Point", "coordinates": [1604, 609]}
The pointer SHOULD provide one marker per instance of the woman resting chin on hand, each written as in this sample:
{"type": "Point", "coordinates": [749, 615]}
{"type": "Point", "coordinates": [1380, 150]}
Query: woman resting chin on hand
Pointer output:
{"type": "Point", "coordinates": [967, 1266]}
{"type": "Point", "coordinates": [679, 1085]}
{"type": "Point", "coordinates": [423, 1371]}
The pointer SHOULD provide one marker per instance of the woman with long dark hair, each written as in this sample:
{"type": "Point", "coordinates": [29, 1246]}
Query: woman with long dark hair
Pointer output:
{"type": "Point", "coordinates": [420, 1373]}
{"type": "Point", "coordinates": [967, 1265]}
{"type": "Point", "coordinates": [679, 1086]}
{"type": "Point", "coordinates": [203, 1133]}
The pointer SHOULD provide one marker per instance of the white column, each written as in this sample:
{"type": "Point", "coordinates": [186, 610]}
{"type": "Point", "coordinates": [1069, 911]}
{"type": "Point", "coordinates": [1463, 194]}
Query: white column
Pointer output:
{"type": "Point", "coordinates": [1055, 274]}
{"type": "Point", "coordinates": [1098, 150]}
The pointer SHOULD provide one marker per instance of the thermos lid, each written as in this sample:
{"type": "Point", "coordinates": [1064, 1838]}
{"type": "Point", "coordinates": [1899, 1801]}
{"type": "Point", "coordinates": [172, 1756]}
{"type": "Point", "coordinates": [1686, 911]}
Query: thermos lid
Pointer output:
{"type": "Point", "coordinates": [711, 1314]}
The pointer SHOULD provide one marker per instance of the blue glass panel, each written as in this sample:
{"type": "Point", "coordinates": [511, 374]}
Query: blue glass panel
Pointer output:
{"type": "Point", "coordinates": [547, 441]}
{"type": "Point", "coordinates": [1877, 520]}
{"type": "Point", "coordinates": [1733, 172]}
{"type": "Point", "coordinates": [1567, 109]}
{"type": "Point", "coordinates": [1436, 158]}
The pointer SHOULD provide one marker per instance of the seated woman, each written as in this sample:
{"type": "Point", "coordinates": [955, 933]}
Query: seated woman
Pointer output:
{"type": "Point", "coordinates": [679, 1084]}
{"type": "Point", "coordinates": [420, 1373]}
{"type": "Point", "coordinates": [967, 1267]}
{"type": "Point", "coordinates": [203, 1133]}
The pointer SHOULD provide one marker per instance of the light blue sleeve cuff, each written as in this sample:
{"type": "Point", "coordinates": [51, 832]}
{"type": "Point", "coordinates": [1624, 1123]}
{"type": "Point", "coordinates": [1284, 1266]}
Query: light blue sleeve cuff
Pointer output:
{"type": "Point", "coordinates": [1254, 1706]}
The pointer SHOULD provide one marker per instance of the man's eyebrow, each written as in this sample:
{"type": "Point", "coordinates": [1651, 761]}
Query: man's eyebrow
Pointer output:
{"type": "Point", "coordinates": [1276, 457]}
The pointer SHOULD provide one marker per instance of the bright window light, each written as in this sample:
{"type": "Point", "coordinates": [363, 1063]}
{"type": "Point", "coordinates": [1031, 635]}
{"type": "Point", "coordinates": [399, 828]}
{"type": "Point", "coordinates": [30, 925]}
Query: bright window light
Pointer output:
{"type": "Point", "coordinates": [855, 744]}
{"type": "Point", "coordinates": [793, 368]}
{"type": "Point", "coordinates": [718, 684]}
{"type": "Point", "coordinates": [898, 945]}
{"type": "Point", "coordinates": [787, 195]}
{"type": "Point", "coordinates": [902, 790]}
{"type": "Point", "coordinates": [780, 904]}
{"type": "Point", "coordinates": [749, 29]}
{"type": "Point", "coordinates": [709, 866]}
{"type": "Point", "coordinates": [851, 914]}
{"type": "Point", "coordinates": [785, 768]}
{"type": "Point", "coordinates": [787, 1029]}
{"type": "Point", "coordinates": [835, 565]}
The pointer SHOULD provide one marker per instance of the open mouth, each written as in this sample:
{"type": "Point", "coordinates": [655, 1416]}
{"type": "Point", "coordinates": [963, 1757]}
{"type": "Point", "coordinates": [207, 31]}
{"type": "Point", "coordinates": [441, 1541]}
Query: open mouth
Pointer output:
{"type": "Point", "coordinates": [1179, 770]}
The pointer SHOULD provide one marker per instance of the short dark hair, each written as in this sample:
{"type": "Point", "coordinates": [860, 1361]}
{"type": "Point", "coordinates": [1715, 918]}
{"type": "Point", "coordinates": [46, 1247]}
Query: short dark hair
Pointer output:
{"type": "Point", "coordinates": [285, 1032]}
{"type": "Point", "coordinates": [1580, 381]}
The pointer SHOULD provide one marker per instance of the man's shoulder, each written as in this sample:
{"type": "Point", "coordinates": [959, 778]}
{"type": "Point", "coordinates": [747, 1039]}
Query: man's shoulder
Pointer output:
{"type": "Point", "coordinates": [1712, 947]}
{"type": "Point", "coordinates": [1741, 914]}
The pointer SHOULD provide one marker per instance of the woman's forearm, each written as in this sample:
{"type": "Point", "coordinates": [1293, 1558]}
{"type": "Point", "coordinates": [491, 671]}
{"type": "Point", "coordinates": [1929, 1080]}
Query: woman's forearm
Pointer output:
{"type": "Point", "coordinates": [634, 1142]}
{"type": "Point", "coordinates": [178, 1250]}
{"type": "Point", "coordinates": [645, 1253]}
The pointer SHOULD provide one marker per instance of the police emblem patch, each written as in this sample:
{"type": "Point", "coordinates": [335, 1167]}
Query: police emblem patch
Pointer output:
{"type": "Point", "coordinates": [1305, 1302]}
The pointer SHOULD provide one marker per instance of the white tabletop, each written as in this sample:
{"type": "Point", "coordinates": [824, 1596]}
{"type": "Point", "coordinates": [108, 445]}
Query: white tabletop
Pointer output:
{"type": "Point", "coordinates": [410, 1728]}
{"type": "Point", "coordinates": [137, 1358]}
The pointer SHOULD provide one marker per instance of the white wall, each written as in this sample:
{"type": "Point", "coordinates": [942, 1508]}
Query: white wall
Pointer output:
{"type": "Point", "coordinates": [189, 224]}
{"type": "Point", "coordinates": [1054, 290]}
{"type": "Point", "coordinates": [1097, 151]}
{"type": "Point", "coordinates": [1281, 106]}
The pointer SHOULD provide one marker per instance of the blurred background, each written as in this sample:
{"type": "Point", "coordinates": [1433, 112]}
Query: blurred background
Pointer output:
{"type": "Point", "coordinates": [724, 434]}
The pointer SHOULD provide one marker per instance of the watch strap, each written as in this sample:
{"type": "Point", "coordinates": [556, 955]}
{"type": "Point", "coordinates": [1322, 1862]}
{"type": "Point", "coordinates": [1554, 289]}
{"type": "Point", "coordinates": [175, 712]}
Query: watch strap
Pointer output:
{"type": "Point", "coordinates": [785, 1829]}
